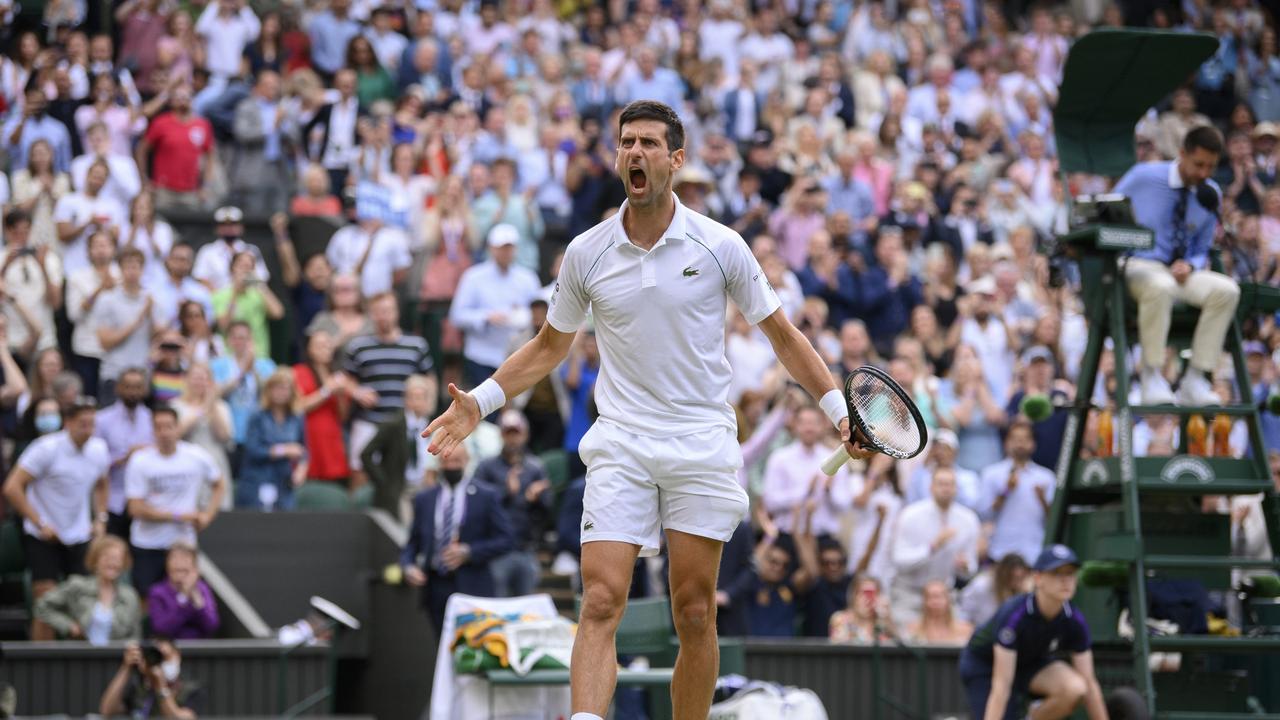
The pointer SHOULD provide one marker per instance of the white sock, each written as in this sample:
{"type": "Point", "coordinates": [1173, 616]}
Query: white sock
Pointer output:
{"type": "Point", "coordinates": [585, 716]}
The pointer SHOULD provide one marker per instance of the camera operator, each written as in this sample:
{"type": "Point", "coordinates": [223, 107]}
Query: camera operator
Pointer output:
{"type": "Point", "coordinates": [149, 683]}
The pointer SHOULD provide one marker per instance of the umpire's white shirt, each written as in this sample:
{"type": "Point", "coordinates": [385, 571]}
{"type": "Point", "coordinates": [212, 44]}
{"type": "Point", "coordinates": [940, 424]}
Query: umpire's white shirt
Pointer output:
{"type": "Point", "coordinates": [660, 319]}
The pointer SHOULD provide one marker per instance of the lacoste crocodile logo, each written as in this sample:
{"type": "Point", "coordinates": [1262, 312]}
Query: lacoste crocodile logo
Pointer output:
{"type": "Point", "coordinates": [589, 525]}
{"type": "Point", "coordinates": [690, 271]}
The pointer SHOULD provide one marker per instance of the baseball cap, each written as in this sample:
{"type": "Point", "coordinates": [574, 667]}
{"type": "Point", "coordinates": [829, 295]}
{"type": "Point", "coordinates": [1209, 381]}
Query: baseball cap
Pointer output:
{"type": "Point", "coordinates": [1266, 128]}
{"type": "Point", "coordinates": [1255, 347]}
{"type": "Point", "coordinates": [1054, 557]}
{"type": "Point", "coordinates": [985, 285]}
{"type": "Point", "coordinates": [228, 214]}
{"type": "Point", "coordinates": [503, 234]}
{"type": "Point", "coordinates": [512, 420]}
{"type": "Point", "coordinates": [1037, 352]}
{"type": "Point", "coordinates": [943, 436]}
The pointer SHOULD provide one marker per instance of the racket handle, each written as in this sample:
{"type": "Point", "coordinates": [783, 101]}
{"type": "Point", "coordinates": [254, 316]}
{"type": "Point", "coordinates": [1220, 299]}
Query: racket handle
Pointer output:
{"type": "Point", "coordinates": [835, 461]}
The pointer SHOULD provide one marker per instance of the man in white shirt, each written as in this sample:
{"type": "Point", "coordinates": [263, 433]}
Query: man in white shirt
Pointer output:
{"type": "Point", "coordinates": [491, 305]}
{"type": "Point", "coordinates": [1017, 495]}
{"type": "Point", "coordinates": [664, 453]}
{"type": "Point", "coordinates": [983, 328]}
{"type": "Point", "coordinates": [933, 539]}
{"type": "Point", "coordinates": [227, 27]}
{"type": "Point", "coordinates": [123, 180]}
{"type": "Point", "coordinates": [80, 214]}
{"type": "Point", "coordinates": [32, 287]}
{"type": "Point", "coordinates": [793, 477]}
{"type": "Point", "coordinates": [768, 47]}
{"type": "Point", "coordinates": [377, 253]}
{"type": "Point", "coordinates": [163, 486]}
{"type": "Point", "coordinates": [51, 489]}
{"type": "Point", "coordinates": [177, 287]}
{"type": "Point", "coordinates": [213, 262]}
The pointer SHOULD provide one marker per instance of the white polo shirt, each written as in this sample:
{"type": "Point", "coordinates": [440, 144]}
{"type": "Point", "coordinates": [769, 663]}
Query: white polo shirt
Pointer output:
{"type": "Point", "coordinates": [172, 483]}
{"type": "Point", "coordinates": [660, 319]}
{"type": "Point", "coordinates": [64, 479]}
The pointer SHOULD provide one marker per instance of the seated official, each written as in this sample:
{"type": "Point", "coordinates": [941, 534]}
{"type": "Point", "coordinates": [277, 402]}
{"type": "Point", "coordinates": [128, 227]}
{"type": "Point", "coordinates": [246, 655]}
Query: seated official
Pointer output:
{"type": "Point", "coordinates": [1014, 657]}
{"type": "Point", "coordinates": [1170, 198]}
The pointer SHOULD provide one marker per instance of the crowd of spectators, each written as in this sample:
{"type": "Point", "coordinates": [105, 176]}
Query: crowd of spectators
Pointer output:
{"type": "Point", "coordinates": [891, 165]}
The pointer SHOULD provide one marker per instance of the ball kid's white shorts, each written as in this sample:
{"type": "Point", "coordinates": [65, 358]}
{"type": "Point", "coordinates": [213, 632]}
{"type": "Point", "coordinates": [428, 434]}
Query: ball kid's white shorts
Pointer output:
{"type": "Point", "coordinates": [638, 486]}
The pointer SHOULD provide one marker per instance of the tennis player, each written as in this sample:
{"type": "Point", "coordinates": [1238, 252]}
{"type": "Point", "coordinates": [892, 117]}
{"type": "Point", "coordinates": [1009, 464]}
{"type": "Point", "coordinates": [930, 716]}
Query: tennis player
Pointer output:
{"type": "Point", "coordinates": [663, 455]}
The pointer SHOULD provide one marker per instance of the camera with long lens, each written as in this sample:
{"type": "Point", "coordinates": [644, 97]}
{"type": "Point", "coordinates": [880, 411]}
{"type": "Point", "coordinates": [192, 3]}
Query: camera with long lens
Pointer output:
{"type": "Point", "coordinates": [151, 656]}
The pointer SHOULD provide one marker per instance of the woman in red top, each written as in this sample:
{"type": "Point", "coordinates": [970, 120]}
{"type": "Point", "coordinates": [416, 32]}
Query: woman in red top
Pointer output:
{"type": "Point", "coordinates": [325, 403]}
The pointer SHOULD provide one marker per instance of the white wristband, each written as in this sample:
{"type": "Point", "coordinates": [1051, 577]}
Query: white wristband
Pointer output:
{"type": "Point", "coordinates": [834, 406]}
{"type": "Point", "coordinates": [489, 396]}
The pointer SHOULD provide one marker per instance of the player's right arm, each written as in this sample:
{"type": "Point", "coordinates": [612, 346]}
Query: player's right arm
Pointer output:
{"type": "Point", "coordinates": [520, 372]}
{"type": "Point", "coordinates": [1005, 661]}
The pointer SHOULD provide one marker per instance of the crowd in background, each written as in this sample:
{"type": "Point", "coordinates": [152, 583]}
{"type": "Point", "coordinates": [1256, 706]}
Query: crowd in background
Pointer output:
{"type": "Point", "coordinates": [891, 165]}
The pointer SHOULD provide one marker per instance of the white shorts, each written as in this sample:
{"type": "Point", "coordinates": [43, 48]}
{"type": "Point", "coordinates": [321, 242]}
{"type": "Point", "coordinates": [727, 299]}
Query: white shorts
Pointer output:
{"type": "Point", "coordinates": [637, 486]}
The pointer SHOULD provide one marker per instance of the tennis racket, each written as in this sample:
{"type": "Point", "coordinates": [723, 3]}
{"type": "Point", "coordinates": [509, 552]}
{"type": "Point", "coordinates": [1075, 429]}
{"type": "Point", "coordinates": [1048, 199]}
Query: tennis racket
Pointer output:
{"type": "Point", "coordinates": [883, 415]}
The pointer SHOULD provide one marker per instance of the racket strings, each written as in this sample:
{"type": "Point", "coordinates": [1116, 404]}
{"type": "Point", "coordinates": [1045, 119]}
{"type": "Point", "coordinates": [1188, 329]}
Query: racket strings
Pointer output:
{"type": "Point", "coordinates": [885, 415]}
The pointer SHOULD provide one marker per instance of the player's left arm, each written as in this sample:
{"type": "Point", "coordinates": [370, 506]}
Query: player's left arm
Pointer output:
{"type": "Point", "coordinates": [800, 359]}
{"type": "Point", "coordinates": [1094, 704]}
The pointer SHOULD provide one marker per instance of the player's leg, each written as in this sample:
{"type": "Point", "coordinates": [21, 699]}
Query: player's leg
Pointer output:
{"type": "Point", "coordinates": [1062, 688]}
{"type": "Point", "coordinates": [606, 579]}
{"type": "Point", "coordinates": [695, 562]}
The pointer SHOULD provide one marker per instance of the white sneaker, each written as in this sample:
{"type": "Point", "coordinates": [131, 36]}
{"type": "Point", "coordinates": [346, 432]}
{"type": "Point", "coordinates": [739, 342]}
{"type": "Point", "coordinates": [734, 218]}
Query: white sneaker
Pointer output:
{"type": "Point", "coordinates": [1155, 389]}
{"type": "Point", "coordinates": [1196, 390]}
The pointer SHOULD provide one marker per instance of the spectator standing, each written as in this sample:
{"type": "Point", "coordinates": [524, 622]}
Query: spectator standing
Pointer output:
{"type": "Point", "coordinates": [943, 447]}
{"type": "Point", "coordinates": [372, 251]}
{"type": "Point", "coordinates": [126, 427]}
{"type": "Point", "coordinates": [213, 262]}
{"type": "Point", "coordinates": [396, 458]}
{"type": "Point", "coordinates": [492, 305]}
{"type": "Point", "coordinates": [37, 188]}
{"type": "Point", "coordinates": [85, 212]}
{"type": "Point", "coordinates": [519, 478]}
{"type": "Point", "coordinates": [503, 205]}
{"type": "Point", "coordinates": [827, 596]}
{"type": "Point", "coordinates": [275, 454]}
{"type": "Point", "coordinates": [330, 139]}
{"type": "Point", "coordinates": [773, 603]}
{"type": "Point", "coordinates": [32, 285]}
{"type": "Point", "coordinates": [175, 288]}
{"type": "Point", "coordinates": [260, 175]}
{"type": "Point", "coordinates": [1017, 495]}
{"type": "Point", "coordinates": [125, 317]}
{"type": "Point", "coordinates": [150, 234]}
{"type": "Point", "coordinates": [227, 26]}
{"type": "Point", "coordinates": [345, 316]}
{"type": "Point", "coordinates": [99, 607]}
{"type": "Point", "coordinates": [982, 328]}
{"type": "Point", "coordinates": [933, 539]}
{"type": "Point", "coordinates": [459, 527]}
{"type": "Point", "coordinates": [331, 32]}
{"type": "Point", "coordinates": [793, 477]}
{"type": "Point", "coordinates": [325, 403]}
{"type": "Point", "coordinates": [176, 155]}
{"type": "Point", "coordinates": [876, 503]}
{"type": "Point", "coordinates": [123, 181]}
{"type": "Point", "coordinates": [380, 363]}
{"type": "Point", "coordinates": [204, 418]}
{"type": "Point", "coordinates": [1038, 379]}
{"type": "Point", "coordinates": [240, 376]}
{"type": "Point", "coordinates": [579, 372]}
{"type": "Point", "coordinates": [51, 489]}
{"type": "Point", "coordinates": [165, 485]}
{"type": "Point", "coordinates": [182, 606]}
{"type": "Point", "coordinates": [247, 300]}
{"type": "Point", "coordinates": [32, 124]}
{"type": "Point", "coordinates": [974, 412]}
{"type": "Point", "coordinates": [989, 589]}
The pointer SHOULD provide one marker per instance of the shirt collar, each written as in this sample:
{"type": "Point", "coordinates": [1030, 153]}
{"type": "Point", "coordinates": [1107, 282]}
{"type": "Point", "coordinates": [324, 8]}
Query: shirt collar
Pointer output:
{"type": "Point", "coordinates": [1175, 178]}
{"type": "Point", "coordinates": [677, 230]}
{"type": "Point", "coordinates": [1032, 609]}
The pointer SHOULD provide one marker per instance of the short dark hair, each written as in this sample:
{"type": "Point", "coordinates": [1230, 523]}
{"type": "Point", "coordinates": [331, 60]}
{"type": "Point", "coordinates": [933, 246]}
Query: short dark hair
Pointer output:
{"type": "Point", "coordinates": [1021, 423]}
{"type": "Point", "coordinates": [239, 324]}
{"type": "Point", "coordinates": [1205, 137]}
{"type": "Point", "coordinates": [164, 410]}
{"type": "Point", "coordinates": [16, 216]}
{"type": "Point", "coordinates": [130, 253]}
{"type": "Point", "coordinates": [652, 110]}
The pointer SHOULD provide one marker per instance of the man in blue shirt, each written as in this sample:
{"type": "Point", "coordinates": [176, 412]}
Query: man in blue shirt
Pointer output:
{"type": "Point", "coordinates": [1015, 654]}
{"type": "Point", "coordinates": [1175, 269]}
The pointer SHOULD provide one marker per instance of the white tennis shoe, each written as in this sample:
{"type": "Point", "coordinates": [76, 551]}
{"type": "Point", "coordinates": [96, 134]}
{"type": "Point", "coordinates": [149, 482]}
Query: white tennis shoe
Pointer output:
{"type": "Point", "coordinates": [1155, 389]}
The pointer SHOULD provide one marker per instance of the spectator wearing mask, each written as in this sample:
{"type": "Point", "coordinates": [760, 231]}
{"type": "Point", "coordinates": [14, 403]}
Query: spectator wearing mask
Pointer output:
{"type": "Point", "coordinates": [126, 427]}
{"type": "Point", "coordinates": [933, 539]}
{"type": "Point", "coordinates": [396, 458]}
{"type": "Point", "coordinates": [380, 363]}
{"type": "Point", "coordinates": [519, 478]}
{"type": "Point", "coordinates": [59, 487]}
{"type": "Point", "coordinates": [165, 485]}
{"type": "Point", "coordinates": [125, 317]}
{"type": "Point", "coordinates": [459, 527]}
{"type": "Point", "coordinates": [247, 300]}
{"type": "Point", "coordinates": [213, 262]}
{"type": "Point", "coordinates": [83, 288]}
{"type": "Point", "coordinates": [274, 461]}
{"type": "Point", "coordinates": [152, 685]}
{"type": "Point", "coordinates": [182, 606]}
{"type": "Point", "coordinates": [35, 123]}
{"type": "Point", "coordinates": [32, 285]}
{"type": "Point", "coordinates": [1017, 494]}
{"type": "Point", "coordinates": [492, 305]}
{"type": "Point", "coordinates": [176, 155]}
{"type": "Point", "coordinates": [99, 607]}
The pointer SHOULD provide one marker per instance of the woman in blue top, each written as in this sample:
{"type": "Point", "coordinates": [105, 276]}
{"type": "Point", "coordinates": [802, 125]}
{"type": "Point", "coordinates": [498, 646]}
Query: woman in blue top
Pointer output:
{"type": "Point", "coordinates": [275, 456]}
{"type": "Point", "coordinates": [1015, 654]}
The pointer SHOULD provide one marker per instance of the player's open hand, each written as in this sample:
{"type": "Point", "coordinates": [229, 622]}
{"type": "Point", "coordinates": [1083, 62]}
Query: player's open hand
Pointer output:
{"type": "Point", "coordinates": [854, 444]}
{"type": "Point", "coordinates": [455, 424]}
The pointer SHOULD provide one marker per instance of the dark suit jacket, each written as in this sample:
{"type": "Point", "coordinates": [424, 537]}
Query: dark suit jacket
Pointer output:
{"type": "Point", "coordinates": [485, 529]}
{"type": "Point", "coordinates": [385, 459]}
{"type": "Point", "coordinates": [321, 120]}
